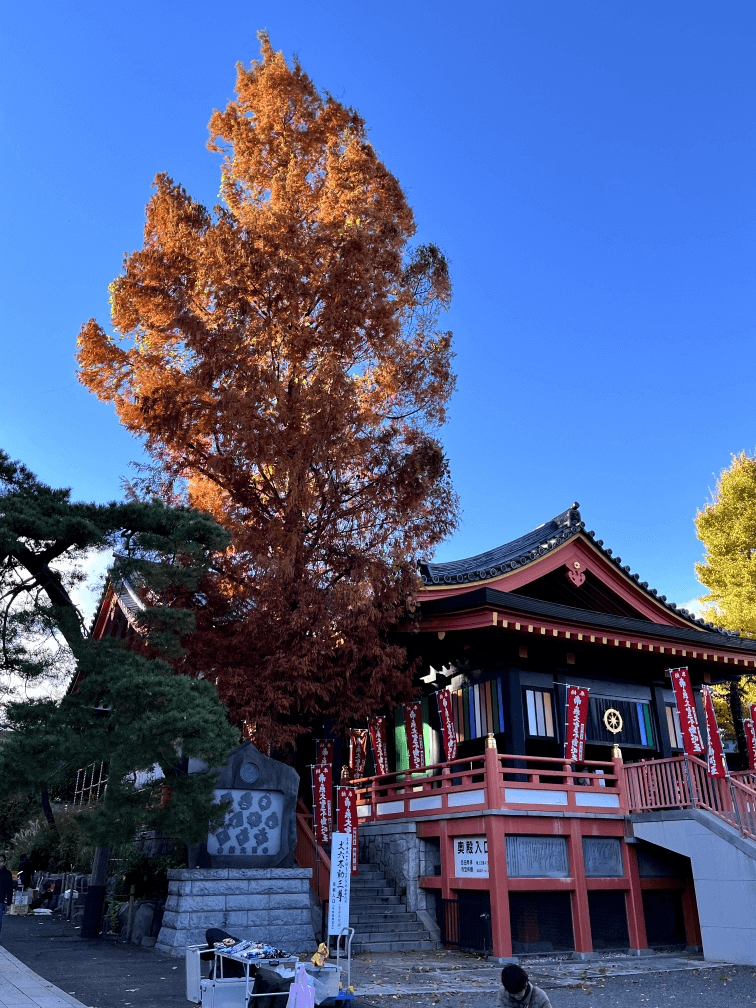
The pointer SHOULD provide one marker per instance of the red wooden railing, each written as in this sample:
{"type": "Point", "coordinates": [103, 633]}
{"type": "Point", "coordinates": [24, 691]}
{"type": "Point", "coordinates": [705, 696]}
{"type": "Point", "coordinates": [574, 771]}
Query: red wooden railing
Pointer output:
{"type": "Point", "coordinates": [747, 777]}
{"type": "Point", "coordinates": [310, 854]}
{"type": "Point", "coordinates": [493, 781]}
{"type": "Point", "coordinates": [666, 784]}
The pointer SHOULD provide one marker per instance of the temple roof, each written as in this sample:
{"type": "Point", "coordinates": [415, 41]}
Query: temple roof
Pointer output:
{"type": "Point", "coordinates": [528, 548]}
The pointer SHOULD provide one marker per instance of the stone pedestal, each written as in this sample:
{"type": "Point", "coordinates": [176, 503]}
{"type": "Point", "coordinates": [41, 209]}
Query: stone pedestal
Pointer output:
{"type": "Point", "coordinates": [261, 904]}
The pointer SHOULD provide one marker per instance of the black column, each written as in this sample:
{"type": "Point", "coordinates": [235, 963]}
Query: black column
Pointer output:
{"type": "Point", "coordinates": [659, 706]}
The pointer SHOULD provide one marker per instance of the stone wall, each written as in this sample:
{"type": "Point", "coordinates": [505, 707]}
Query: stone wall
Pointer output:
{"type": "Point", "coordinates": [403, 857]}
{"type": "Point", "coordinates": [261, 904]}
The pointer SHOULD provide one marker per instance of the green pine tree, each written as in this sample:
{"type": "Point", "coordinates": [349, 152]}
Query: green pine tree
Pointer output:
{"type": "Point", "coordinates": [127, 707]}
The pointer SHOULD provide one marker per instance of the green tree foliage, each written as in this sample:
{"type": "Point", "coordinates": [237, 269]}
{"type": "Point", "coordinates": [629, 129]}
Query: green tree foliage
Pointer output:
{"type": "Point", "coordinates": [727, 528]}
{"type": "Point", "coordinates": [127, 708]}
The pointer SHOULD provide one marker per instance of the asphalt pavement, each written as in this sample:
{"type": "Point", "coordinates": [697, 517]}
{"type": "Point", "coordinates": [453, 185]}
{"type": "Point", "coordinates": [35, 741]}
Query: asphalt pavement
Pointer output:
{"type": "Point", "coordinates": [108, 973]}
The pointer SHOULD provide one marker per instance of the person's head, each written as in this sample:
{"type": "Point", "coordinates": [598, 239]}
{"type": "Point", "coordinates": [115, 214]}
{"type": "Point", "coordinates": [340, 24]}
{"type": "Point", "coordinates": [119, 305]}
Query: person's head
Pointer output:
{"type": "Point", "coordinates": [515, 980]}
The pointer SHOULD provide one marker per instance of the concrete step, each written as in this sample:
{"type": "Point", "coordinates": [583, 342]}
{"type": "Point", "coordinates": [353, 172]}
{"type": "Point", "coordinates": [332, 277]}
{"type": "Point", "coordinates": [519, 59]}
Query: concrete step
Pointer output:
{"type": "Point", "coordinates": [382, 918]}
{"type": "Point", "coordinates": [379, 901]}
{"type": "Point", "coordinates": [374, 927]}
{"type": "Point", "coordinates": [394, 946]}
{"type": "Point", "coordinates": [368, 938]}
{"type": "Point", "coordinates": [373, 891]}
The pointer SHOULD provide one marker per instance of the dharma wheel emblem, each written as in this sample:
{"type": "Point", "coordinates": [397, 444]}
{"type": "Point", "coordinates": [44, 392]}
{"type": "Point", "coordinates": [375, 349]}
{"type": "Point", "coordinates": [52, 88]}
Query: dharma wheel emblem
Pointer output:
{"type": "Point", "coordinates": [612, 720]}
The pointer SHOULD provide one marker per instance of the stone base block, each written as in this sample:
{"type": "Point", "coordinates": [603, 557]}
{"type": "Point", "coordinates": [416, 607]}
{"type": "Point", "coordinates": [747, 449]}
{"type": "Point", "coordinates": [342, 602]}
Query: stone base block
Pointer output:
{"type": "Point", "coordinates": [259, 904]}
{"type": "Point", "coordinates": [500, 961]}
{"type": "Point", "coordinates": [585, 956]}
{"type": "Point", "coordinates": [641, 952]}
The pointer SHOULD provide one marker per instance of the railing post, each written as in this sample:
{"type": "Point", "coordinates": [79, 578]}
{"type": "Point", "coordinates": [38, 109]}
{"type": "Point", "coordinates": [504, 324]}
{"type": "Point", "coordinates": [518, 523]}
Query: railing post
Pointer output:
{"type": "Point", "coordinates": [492, 766]}
{"type": "Point", "coordinates": [618, 769]}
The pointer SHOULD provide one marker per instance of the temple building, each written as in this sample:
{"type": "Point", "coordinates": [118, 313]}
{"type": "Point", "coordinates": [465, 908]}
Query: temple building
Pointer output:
{"type": "Point", "coordinates": [552, 853]}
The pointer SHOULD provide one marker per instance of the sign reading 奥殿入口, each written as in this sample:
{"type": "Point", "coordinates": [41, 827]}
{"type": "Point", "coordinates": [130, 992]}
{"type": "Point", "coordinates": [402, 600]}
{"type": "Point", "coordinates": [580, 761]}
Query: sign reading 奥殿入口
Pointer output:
{"type": "Point", "coordinates": [471, 857]}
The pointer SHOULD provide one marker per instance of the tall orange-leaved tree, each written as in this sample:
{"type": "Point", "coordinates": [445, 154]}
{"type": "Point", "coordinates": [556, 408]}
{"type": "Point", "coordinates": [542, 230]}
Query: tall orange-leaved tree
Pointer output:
{"type": "Point", "coordinates": [282, 356]}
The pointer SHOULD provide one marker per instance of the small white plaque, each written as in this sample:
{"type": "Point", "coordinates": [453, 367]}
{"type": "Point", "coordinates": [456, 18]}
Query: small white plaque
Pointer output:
{"type": "Point", "coordinates": [430, 802]}
{"type": "Point", "coordinates": [471, 857]}
{"type": "Point", "coordinates": [601, 798]}
{"type": "Point", "coordinates": [457, 798]}
{"type": "Point", "coordinates": [530, 796]}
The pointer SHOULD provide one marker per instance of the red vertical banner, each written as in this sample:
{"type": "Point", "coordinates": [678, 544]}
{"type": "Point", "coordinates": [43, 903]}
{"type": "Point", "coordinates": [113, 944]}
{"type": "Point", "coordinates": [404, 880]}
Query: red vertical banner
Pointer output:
{"type": "Point", "coordinates": [750, 734]}
{"type": "Point", "coordinates": [686, 708]}
{"type": "Point", "coordinates": [752, 712]}
{"type": "Point", "coordinates": [448, 734]}
{"type": "Point", "coordinates": [577, 718]}
{"type": "Point", "coordinates": [413, 722]}
{"type": "Point", "coordinates": [324, 751]}
{"type": "Point", "coordinates": [322, 804]}
{"type": "Point", "coordinates": [346, 818]}
{"type": "Point", "coordinates": [380, 750]}
{"type": "Point", "coordinates": [715, 756]}
{"type": "Point", "coordinates": [357, 752]}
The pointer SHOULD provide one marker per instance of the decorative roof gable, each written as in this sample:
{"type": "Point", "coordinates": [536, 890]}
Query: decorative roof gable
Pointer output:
{"type": "Point", "coordinates": [528, 549]}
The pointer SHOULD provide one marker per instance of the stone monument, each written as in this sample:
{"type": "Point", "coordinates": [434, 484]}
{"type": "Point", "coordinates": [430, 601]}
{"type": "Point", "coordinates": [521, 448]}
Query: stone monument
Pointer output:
{"type": "Point", "coordinates": [245, 880]}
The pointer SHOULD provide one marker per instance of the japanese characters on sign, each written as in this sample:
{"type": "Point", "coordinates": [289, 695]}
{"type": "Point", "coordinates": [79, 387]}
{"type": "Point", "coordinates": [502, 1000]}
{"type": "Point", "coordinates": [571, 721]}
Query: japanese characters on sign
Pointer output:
{"type": "Point", "coordinates": [357, 752]}
{"type": "Point", "coordinates": [444, 698]}
{"type": "Point", "coordinates": [471, 857]}
{"type": "Point", "coordinates": [322, 802]}
{"type": "Point", "coordinates": [750, 734]}
{"type": "Point", "coordinates": [715, 756]}
{"type": "Point", "coordinates": [752, 712]}
{"type": "Point", "coordinates": [378, 737]}
{"type": "Point", "coordinates": [324, 751]}
{"type": "Point", "coordinates": [686, 707]}
{"type": "Point", "coordinates": [577, 717]}
{"type": "Point", "coordinates": [346, 817]}
{"type": "Point", "coordinates": [413, 722]}
{"type": "Point", "coordinates": [338, 896]}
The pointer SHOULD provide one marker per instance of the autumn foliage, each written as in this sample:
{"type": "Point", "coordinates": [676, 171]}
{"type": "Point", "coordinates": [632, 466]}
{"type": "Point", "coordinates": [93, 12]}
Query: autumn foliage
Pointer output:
{"type": "Point", "coordinates": [281, 356]}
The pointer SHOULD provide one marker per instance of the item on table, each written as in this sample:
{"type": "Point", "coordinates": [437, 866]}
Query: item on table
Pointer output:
{"type": "Point", "coordinates": [320, 956]}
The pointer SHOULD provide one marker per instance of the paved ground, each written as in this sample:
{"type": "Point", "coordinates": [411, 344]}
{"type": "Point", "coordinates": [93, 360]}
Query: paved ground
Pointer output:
{"type": "Point", "coordinates": [111, 974]}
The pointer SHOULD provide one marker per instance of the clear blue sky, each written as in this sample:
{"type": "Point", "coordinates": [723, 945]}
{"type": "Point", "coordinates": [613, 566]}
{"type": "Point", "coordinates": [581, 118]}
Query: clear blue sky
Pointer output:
{"type": "Point", "coordinates": [587, 166]}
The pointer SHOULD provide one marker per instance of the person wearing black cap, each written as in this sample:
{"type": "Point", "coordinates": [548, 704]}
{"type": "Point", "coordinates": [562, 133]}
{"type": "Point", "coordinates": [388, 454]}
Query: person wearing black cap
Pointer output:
{"type": "Point", "coordinates": [519, 992]}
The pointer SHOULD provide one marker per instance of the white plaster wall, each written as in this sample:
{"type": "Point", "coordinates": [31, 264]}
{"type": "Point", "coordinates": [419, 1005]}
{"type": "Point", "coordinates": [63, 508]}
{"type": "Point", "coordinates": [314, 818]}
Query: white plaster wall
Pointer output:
{"type": "Point", "coordinates": [725, 882]}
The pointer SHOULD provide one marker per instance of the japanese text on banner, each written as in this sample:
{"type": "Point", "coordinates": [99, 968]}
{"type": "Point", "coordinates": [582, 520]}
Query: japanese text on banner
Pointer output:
{"type": "Point", "coordinates": [577, 717]}
{"type": "Point", "coordinates": [448, 733]}
{"type": "Point", "coordinates": [322, 802]}
{"type": "Point", "coordinates": [324, 751]}
{"type": "Point", "coordinates": [413, 722]}
{"type": "Point", "coordinates": [715, 756]}
{"type": "Point", "coordinates": [346, 817]}
{"type": "Point", "coordinates": [357, 751]}
{"type": "Point", "coordinates": [686, 707]}
{"type": "Point", "coordinates": [378, 737]}
{"type": "Point", "coordinates": [341, 876]}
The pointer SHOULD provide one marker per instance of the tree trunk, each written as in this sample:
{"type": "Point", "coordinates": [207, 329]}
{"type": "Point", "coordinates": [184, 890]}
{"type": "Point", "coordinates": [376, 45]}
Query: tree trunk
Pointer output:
{"type": "Point", "coordinates": [95, 898]}
{"type": "Point", "coordinates": [47, 809]}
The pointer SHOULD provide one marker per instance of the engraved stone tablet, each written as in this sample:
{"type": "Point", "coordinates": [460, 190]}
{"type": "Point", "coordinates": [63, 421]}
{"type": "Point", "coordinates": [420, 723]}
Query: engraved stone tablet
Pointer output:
{"type": "Point", "coordinates": [259, 830]}
{"type": "Point", "coordinates": [537, 857]}
{"type": "Point", "coordinates": [252, 825]}
{"type": "Point", "coordinates": [603, 857]}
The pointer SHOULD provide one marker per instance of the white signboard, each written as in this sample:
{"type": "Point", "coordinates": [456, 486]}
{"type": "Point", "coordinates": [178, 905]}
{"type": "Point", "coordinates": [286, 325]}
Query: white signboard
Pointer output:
{"type": "Point", "coordinates": [338, 896]}
{"type": "Point", "coordinates": [471, 857]}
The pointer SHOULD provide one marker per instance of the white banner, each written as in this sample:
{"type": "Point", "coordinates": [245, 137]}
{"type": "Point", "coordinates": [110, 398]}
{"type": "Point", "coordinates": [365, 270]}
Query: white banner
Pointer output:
{"type": "Point", "coordinates": [341, 876]}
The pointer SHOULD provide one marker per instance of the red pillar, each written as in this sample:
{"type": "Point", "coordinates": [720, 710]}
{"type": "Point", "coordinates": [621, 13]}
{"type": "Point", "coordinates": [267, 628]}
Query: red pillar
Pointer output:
{"type": "Point", "coordinates": [581, 919]}
{"type": "Point", "coordinates": [495, 826]}
{"type": "Point", "coordinates": [501, 932]}
{"type": "Point", "coordinates": [636, 922]}
{"type": "Point", "coordinates": [690, 914]}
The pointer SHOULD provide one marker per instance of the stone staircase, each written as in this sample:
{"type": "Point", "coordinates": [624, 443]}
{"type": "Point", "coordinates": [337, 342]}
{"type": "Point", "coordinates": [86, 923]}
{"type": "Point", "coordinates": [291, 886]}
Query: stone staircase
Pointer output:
{"type": "Point", "coordinates": [380, 920]}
